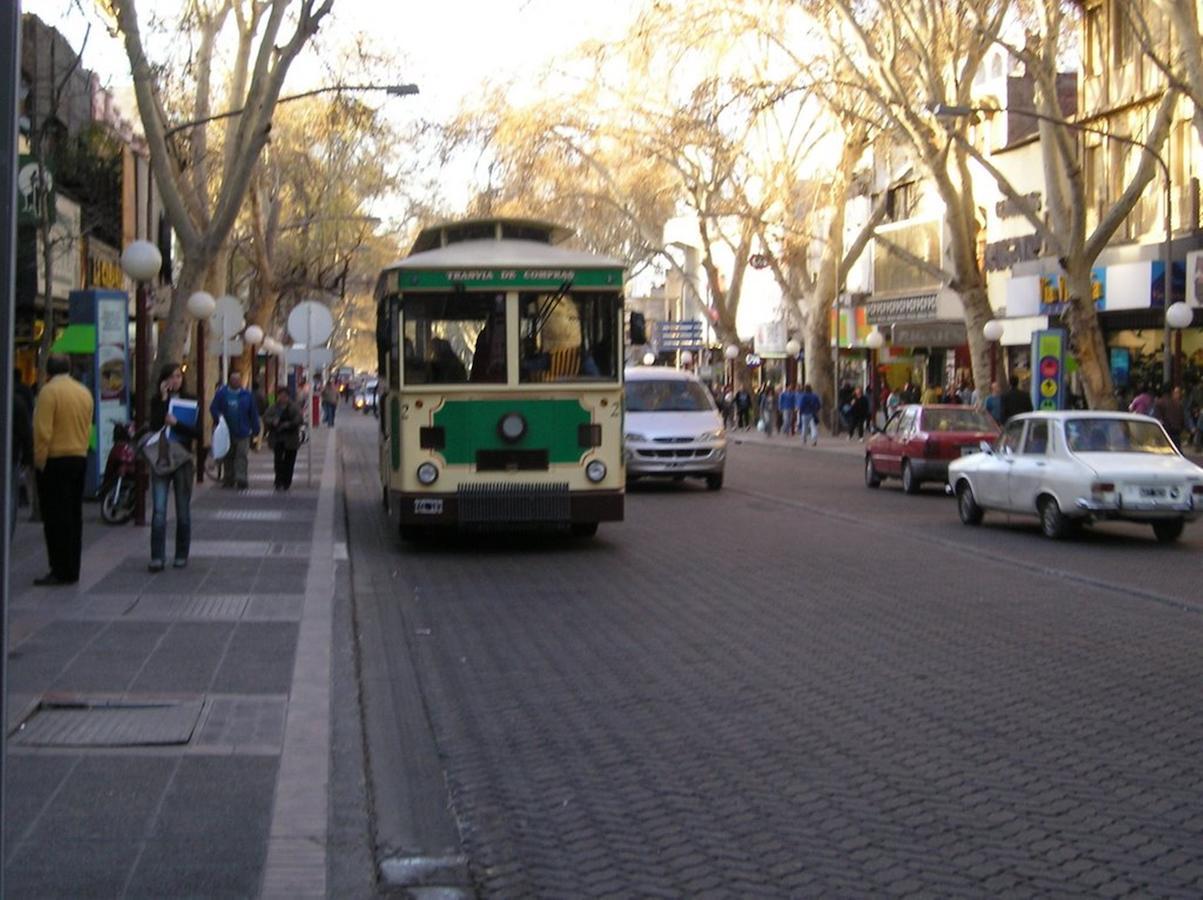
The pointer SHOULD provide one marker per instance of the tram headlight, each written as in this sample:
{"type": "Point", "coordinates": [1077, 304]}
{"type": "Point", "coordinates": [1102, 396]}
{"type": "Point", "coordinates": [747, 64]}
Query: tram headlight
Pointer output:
{"type": "Point", "coordinates": [595, 471]}
{"type": "Point", "coordinates": [511, 427]}
{"type": "Point", "coordinates": [428, 473]}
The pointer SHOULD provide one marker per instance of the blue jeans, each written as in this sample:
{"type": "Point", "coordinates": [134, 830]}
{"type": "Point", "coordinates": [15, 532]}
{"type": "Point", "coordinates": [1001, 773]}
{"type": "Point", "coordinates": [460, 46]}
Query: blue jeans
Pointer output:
{"type": "Point", "coordinates": [180, 482]}
{"type": "Point", "coordinates": [808, 427]}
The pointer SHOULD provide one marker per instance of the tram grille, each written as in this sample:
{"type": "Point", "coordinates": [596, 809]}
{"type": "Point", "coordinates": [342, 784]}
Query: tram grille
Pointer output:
{"type": "Point", "coordinates": [483, 504]}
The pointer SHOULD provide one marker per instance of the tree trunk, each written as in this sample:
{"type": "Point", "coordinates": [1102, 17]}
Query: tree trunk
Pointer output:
{"type": "Point", "coordinates": [1086, 341]}
{"type": "Point", "coordinates": [179, 321]}
{"type": "Point", "coordinates": [977, 313]}
{"type": "Point", "coordinates": [820, 370]}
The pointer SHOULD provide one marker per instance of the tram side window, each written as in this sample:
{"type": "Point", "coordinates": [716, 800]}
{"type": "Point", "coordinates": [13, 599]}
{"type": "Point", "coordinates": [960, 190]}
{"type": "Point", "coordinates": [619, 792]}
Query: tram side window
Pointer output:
{"type": "Point", "coordinates": [568, 336]}
{"type": "Point", "coordinates": [454, 339]}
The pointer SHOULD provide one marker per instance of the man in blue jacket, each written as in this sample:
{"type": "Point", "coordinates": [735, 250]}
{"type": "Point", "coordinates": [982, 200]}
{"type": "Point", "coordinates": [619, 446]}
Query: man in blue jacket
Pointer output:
{"type": "Point", "coordinates": [809, 405]}
{"type": "Point", "coordinates": [237, 406]}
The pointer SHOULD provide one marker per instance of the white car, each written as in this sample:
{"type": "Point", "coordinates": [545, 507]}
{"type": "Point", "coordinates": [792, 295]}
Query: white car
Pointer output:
{"type": "Point", "coordinates": [1073, 467]}
{"type": "Point", "coordinates": [672, 427]}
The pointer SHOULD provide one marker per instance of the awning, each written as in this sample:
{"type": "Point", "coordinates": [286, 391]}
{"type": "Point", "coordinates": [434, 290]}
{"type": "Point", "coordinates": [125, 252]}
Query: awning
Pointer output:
{"type": "Point", "coordinates": [76, 339]}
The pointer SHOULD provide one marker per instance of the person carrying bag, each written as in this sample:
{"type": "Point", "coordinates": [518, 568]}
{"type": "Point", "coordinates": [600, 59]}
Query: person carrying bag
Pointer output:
{"type": "Point", "coordinates": [168, 452]}
{"type": "Point", "coordinates": [283, 421]}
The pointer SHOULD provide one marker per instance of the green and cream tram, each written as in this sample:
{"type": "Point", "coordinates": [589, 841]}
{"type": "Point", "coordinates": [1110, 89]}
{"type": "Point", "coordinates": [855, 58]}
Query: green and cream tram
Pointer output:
{"type": "Point", "coordinates": [500, 359]}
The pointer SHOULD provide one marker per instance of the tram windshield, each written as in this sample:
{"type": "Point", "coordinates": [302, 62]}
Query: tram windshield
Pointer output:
{"type": "Point", "coordinates": [455, 339]}
{"type": "Point", "coordinates": [569, 336]}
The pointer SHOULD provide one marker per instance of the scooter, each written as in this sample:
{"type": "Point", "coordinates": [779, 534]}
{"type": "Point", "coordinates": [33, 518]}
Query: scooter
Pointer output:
{"type": "Point", "coordinates": [117, 485]}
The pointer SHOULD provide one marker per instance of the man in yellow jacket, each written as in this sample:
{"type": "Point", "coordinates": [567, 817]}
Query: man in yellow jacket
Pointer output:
{"type": "Point", "coordinates": [62, 429]}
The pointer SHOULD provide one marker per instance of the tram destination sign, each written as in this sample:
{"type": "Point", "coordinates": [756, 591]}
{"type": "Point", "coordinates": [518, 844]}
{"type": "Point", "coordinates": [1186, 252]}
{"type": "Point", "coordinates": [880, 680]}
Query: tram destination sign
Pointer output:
{"type": "Point", "coordinates": [443, 279]}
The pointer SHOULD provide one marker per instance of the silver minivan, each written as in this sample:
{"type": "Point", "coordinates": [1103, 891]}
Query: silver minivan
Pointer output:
{"type": "Point", "coordinates": [672, 427]}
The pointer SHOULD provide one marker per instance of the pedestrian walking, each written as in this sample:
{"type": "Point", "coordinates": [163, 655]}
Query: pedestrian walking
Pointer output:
{"type": "Point", "coordinates": [1142, 403]}
{"type": "Point", "coordinates": [743, 408]}
{"type": "Point", "coordinates": [329, 403]}
{"type": "Point", "coordinates": [1015, 401]}
{"type": "Point", "coordinates": [994, 403]}
{"type": "Point", "coordinates": [1169, 411]}
{"type": "Point", "coordinates": [171, 470]}
{"type": "Point", "coordinates": [809, 405]}
{"type": "Point", "coordinates": [283, 422]}
{"type": "Point", "coordinates": [788, 404]}
{"type": "Point", "coordinates": [237, 406]}
{"type": "Point", "coordinates": [858, 414]}
{"type": "Point", "coordinates": [62, 429]}
{"type": "Point", "coordinates": [768, 408]}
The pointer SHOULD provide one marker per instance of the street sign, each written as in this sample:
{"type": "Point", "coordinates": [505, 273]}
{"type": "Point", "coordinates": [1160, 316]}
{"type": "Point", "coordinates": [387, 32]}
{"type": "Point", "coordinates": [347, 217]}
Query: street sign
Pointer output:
{"type": "Point", "coordinates": [317, 358]}
{"type": "Point", "coordinates": [686, 335]}
{"type": "Point", "coordinates": [310, 323]}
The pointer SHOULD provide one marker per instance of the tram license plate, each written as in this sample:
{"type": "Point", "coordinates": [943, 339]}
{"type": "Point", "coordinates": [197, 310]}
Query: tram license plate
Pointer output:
{"type": "Point", "coordinates": [428, 507]}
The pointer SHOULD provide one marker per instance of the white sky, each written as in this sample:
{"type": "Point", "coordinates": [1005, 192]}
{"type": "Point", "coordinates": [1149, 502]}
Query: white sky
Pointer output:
{"type": "Point", "coordinates": [448, 47]}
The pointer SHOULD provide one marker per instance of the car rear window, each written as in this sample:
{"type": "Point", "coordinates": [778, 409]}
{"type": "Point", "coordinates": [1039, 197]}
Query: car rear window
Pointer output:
{"type": "Point", "coordinates": [967, 419]}
{"type": "Point", "coordinates": [667, 396]}
{"type": "Point", "coordinates": [1087, 435]}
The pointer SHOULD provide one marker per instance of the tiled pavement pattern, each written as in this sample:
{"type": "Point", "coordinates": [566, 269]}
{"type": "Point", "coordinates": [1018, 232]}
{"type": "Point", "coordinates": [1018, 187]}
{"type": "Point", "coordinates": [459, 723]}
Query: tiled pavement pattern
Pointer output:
{"type": "Point", "coordinates": [148, 712]}
{"type": "Point", "coordinates": [633, 716]}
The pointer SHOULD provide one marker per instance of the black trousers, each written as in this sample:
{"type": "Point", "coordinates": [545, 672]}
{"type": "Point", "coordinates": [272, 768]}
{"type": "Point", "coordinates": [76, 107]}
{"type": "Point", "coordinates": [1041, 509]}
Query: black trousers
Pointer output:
{"type": "Point", "coordinates": [286, 460]}
{"type": "Point", "coordinates": [61, 493]}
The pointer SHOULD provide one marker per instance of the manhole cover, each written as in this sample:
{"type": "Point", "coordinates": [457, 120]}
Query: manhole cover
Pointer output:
{"type": "Point", "coordinates": [109, 724]}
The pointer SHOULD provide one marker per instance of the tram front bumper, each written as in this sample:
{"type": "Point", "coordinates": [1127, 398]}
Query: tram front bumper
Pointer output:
{"type": "Point", "coordinates": [486, 507]}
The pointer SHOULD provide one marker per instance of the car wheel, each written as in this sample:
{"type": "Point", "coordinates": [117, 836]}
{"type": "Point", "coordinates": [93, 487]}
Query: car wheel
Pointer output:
{"type": "Point", "coordinates": [1053, 522]}
{"type": "Point", "coordinates": [872, 479]}
{"type": "Point", "coordinates": [714, 482]}
{"type": "Point", "coordinates": [967, 508]}
{"type": "Point", "coordinates": [910, 483]}
{"type": "Point", "coordinates": [1168, 531]}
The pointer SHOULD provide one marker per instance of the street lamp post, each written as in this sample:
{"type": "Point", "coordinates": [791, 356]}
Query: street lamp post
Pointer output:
{"type": "Point", "coordinates": [1178, 316]}
{"type": "Point", "coordinates": [731, 352]}
{"type": "Point", "coordinates": [200, 307]}
{"type": "Point", "coordinates": [395, 90]}
{"type": "Point", "coordinates": [141, 261]}
{"type": "Point", "coordinates": [792, 349]}
{"type": "Point", "coordinates": [941, 110]}
{"type": "Point", "coordinates": [874, 341]}
{"type": "Point", "coordinates": [992, 331]}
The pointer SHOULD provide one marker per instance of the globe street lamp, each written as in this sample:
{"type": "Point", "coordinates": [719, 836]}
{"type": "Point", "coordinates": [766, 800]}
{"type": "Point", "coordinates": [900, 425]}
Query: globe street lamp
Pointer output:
{"type": "Point", "coordinates": [253, 335]}
{"type": "Point", "coordinates": [141, 261]}
{"type": "Point", "coordinates": [649, 359]}
{"type": "Point", "coordinates": [200, 306]}
{"type": "Point", "coordinates": [944, 111]}
{"type": "Point", "coordinates": [792, 348]}
{"type": "Point", "coordinates": [686, 359]}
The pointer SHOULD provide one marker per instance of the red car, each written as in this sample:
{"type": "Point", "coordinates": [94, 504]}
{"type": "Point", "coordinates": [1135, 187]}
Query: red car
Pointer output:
{"type": "Point", "coordinates": [919, 442]}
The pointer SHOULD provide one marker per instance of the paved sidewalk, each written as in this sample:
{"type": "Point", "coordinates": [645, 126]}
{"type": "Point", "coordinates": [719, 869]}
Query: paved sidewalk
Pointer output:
{"type": "Point", "coordinates": [169, 734]}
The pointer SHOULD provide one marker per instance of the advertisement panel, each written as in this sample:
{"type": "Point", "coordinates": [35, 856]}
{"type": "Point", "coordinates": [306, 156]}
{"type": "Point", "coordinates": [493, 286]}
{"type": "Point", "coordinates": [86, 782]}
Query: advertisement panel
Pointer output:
{"type": "Point", "coordinates": [1048, 369]}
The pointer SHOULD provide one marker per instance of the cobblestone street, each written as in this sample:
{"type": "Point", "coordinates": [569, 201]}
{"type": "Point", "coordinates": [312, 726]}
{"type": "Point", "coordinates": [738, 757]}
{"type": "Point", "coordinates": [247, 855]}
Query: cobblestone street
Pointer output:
{"type": "Point", "coordinates": [797, 687]}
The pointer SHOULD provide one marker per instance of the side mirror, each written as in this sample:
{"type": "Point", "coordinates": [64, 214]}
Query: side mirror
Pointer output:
{"type": "Point", "coordinates": [638, 329]}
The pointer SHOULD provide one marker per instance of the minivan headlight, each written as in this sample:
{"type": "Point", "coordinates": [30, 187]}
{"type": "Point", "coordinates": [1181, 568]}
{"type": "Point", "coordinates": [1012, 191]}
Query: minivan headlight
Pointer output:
{"type": "Point", "coordinates": [636, 438]}
{"type": "Point", "coordinates": [712, 435]}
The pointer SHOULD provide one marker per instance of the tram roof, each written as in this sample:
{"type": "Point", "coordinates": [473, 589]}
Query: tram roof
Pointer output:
{"type": "Point", "coordinates": [496, 228]}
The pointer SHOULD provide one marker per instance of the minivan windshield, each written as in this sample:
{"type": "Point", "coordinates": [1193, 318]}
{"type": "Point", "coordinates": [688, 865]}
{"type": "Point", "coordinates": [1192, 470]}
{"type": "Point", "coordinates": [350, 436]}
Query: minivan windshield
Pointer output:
{"type": "Point", "coordinates": [667, 396]}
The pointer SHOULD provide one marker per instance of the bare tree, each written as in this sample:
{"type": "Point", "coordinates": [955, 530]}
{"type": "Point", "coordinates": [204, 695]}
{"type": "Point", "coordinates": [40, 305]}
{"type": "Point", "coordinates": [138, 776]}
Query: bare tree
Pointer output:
{"type": "Point", "coordinates": [203, 192]}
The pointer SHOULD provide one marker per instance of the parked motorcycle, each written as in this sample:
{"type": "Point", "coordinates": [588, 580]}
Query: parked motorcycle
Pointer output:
{"type": "Point", "coordinates": [117, 485]}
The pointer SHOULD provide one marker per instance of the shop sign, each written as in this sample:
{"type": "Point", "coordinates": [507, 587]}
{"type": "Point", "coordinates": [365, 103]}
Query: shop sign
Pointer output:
{"type": "Point", "coordinates": [901, 309]}
{"type": "Point", "coordinates": [771, 338]}
{"type": "Point", "coordinates": [103, 267]}
{"type": "Point", "coordinates": [930, 334]}
{"type": "Point", "coordinates": [1054, 292]}
{"type": "Point", "coordinates": [35, 191]}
